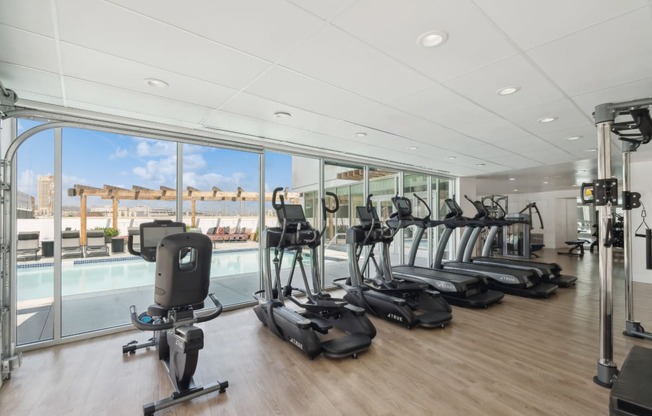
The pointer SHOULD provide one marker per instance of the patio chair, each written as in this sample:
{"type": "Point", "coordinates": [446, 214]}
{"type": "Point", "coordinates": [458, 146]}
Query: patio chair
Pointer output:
{"type": "Point", "coordinates": [96, 244]}
{"type": "Point", "coordinates": [71, 245]}
{"type": "Point", "coordinates": [28, 245]}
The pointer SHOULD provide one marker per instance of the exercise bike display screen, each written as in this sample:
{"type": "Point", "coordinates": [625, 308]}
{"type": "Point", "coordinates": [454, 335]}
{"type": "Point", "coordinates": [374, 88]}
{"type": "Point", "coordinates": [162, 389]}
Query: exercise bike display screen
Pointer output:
{"type": "Point", "coordinates": [367, 217]}
{"type": "Point", "coordinates": [151, 236]}
{"type": "Point", "coordinates": [293, 213]}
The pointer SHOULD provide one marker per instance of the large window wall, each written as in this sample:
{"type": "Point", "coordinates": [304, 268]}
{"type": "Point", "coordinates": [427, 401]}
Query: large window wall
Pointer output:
{"type": "Point", "coordinates": [81, 192]}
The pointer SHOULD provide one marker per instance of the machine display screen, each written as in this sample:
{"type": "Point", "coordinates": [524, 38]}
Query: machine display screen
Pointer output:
{"type": "Point", "coordinates": [293, 213]}
{"type": "Point", "coordinates": [151, 236]}
{"type": "Point", "coordinates": [366, 217]}
{"type": "Point", "coordinates": [403, 206]}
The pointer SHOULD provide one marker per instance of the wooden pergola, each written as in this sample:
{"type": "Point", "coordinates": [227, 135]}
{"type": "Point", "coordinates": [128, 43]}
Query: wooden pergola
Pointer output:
{"type": "Point", "coordinates": [138, 193]}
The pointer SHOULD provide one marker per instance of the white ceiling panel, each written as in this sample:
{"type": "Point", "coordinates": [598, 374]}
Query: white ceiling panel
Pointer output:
{"type": "Point", "coordinates": [289, 87]}
{"type": "Point", "coordinates": [514, 161]}
{"type": "Point", "coordinates": [531, 23]}
{"type": "Point", "coordinates": [26, 80]}
{"type": "Point", "coordinates": [90, 65]}
{"type": "Point", "coordinates": [246, 125]}
{"type": "Point", "coordinates": [481, 86]}
{"type": "Point", "coordinates": [269, 33]}
{"type": "Point", "coordinates": [27, 49]}
{"type": "Point", "coordinates": [608, 54]}
{"type": "Point", "coordinates": [394, 26]}
{"type": "Point", "coordinates": [114, 99]}
{"type": "Point", "coordinates": [522, 145]}
{"type": "Point", "coordinates": [263, 109]}
{"type": "Point", "coordinates": [440, 105]}
{"type": "Point", "coordinates": [326, 10]}
{"type": "Point", "coordinates": [483, 151]}
{"type": "Point", "coordinates": [489, 128]}
{"type": "Point", "coordinates": [624, 92]}
{"type": "Point", "coordinates": [564, 110]}
{"type": "Point", "coordinates": [550, 156]}
{"type": "Point", "coordinates": [342, 60]}
{"type": "Point", "coordinates": [120, 32]}
{"type": "Point", "coordinates": [30, 15]}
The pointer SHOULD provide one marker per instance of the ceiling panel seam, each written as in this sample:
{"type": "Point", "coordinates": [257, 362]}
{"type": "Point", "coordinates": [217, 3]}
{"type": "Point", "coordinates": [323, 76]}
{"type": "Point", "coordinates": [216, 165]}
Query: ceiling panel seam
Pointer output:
{"type": "Point", "coordinates": [57, 44]}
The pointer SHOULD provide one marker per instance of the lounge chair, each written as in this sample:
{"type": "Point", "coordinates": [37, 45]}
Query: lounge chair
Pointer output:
{"type": "Point", "coordinates": [71, 245]}
{"type": "Point", "coordinates": [96, 244]}
{"type": "Point", "coordinates": [28, 245]}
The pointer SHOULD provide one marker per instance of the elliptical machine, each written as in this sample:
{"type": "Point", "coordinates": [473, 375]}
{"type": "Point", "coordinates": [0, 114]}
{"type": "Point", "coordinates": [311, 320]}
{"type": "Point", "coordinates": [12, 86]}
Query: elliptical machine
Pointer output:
{"type": "Point", "coordinates": [320, 311]}
{"type": "Point", "coordinates": [183, 263]}
{"type": "Point", "coordinates": [406, 303]}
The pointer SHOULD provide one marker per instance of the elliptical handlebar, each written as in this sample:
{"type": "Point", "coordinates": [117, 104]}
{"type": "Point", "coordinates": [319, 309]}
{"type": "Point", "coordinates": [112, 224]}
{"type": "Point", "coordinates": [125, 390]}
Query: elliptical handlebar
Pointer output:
{"type": "Point", "coordinates": [499, 206]}
{"type": "Point", "coordinates": [327, 210]}
{"type": "Point", "coordinates": [427, 217]}
{"type": "Point", "coordinates": [169, 325]}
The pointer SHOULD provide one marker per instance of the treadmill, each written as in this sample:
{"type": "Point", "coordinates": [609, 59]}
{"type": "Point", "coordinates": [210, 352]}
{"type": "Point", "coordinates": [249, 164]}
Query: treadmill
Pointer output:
{"type": "Point", "coordinates": [460, 289]}
{"type": "Point", "coordinates": [511, 281]}
{"type": "Point", "coordinates": [547, 272]}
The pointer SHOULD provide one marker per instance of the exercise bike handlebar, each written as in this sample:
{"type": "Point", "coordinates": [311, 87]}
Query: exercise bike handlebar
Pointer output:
{"type": "Point", "coordinates": [169, 325]}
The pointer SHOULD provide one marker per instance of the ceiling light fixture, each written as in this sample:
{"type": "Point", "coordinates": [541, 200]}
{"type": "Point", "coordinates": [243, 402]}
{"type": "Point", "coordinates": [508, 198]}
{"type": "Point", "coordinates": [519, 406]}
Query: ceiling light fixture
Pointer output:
{"type": "Point", "coordinates": [515, 190]}
{"type": "Point", "coordinates": [451, 158]}
{"type": "Point", "coordinates": [432, 38]}
{"type": "Point", "coordinates": [156, 83]}
{"type": "Point", "coordinates": [413, 148]}
{"type": "Point", "coordinates": [592, 150]}
{"type": "Point", "coordinates": [547, 119]}
{"type": "Point", "coordinates": [512, 179]}
{"type": "Point", "coordinates": [574, 138]}
{"type": "Point", "coordinates": [360, 134]}
{"type": "Point", "coordinates": [480, 164]}
{"type": "Point", "coordinates": [545, 182]}
{"type": "Point", "coordinates": [282, 114]}
{"type": "Point", "coordinates": [508, 90]}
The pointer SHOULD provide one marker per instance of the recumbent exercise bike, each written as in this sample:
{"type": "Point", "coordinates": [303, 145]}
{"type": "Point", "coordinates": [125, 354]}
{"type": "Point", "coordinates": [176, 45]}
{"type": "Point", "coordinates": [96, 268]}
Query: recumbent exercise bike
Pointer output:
{"type": "Point", "coordinates": [183, 262]}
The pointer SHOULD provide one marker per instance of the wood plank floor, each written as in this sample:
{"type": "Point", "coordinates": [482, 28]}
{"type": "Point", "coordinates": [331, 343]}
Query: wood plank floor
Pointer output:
{"type": "Point", "coordinates": [522, 357]}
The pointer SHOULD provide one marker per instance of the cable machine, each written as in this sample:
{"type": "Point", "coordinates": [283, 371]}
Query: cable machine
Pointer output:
{"type": "Point", "coordinates": [631, 388]}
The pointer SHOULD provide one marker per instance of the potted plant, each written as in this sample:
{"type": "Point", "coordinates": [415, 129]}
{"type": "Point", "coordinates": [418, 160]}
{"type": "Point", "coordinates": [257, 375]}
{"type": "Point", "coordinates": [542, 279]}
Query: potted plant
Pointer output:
{"type": "Point", "coordinates": [109, 233]}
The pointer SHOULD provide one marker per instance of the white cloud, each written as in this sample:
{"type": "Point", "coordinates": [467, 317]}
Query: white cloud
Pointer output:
{"type": "Point", "coordinates": [206, 181]}
{"type": "Point", "coordinates": [158, 170]}
{"type": "Point", "coordinates": [151, 148]}
{"type": "Point", "coordinates": [27, 181]}
{"type": "Point", "coordinates": [119, 154]}
{"type": "Point", "coordinates": [193, 162]}
{"type": "Point", "coordinates": [67, 181]}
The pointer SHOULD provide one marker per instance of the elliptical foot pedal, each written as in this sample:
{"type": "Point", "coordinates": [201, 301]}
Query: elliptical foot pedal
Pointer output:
{"type": "Point", "coordinates": [347, 345]}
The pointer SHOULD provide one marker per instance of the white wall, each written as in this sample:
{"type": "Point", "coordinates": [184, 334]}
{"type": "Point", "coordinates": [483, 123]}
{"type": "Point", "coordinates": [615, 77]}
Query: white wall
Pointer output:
{"type": "Point", "coordinates": [640, 174]}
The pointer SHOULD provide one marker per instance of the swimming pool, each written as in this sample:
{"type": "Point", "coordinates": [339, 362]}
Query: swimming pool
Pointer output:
{"type": "Point", "coordinates": [92, 276]}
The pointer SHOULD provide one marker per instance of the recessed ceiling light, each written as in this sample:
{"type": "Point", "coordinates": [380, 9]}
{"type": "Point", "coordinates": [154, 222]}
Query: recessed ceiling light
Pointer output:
{"type": "Point", "coordinates": [512, 179]}
{"type": "Point", "coordinates": [575, 185]}
{"type": "Point", "coordinates": [360, 134]}
{"type": "Point", "coordinates": [282, 114]}
{"type": "Point", "coordinates": [545, 182]}
{"type": "Point", "coordinates": [592, 150]}
{"type": "Point", "coordinates": [515, 190]}
{"type": "Point", "coordinates": [451, 158]}
{"type": "Point", "coordinates": [432, 38]}
{"type": "Point", "coordinates": [156, 83]}
{"type": "Point", "coordinates": [547, 119]}
{"type": "Point", "coordinates": [413, 148]}
{"type": "Point", "coordinates": [574, 138]}
{"type": "Point", "coordinates": [546, 177]}
{"type": "Point", "coordinates": [480, 164]}
{"type": "Point", "coordinates": [508, 90]}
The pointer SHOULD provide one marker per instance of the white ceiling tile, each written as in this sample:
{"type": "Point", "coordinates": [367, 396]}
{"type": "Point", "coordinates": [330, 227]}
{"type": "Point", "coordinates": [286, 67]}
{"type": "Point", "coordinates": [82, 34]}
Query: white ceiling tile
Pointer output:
{"type": "Point", "coordinates": [25, 80]}
{"type": "Point", "coordinates": [263, 109]}
{"type": "Point", "coordinates": [341, 60]}
{"type": "Point", "coordinates": [550, 156]}
{"type": "Point", "coordinates": [515, 161]}
{"type": "Point", "coordinates": [326, 10]}
{"type": "Point", "coordinates": [489, 128]}
{"type": "Point", "coordinates": [440, 105]}
{"type": "Point", "coordinates": [269, 33]}
{"type": "Point", "coordinates": [601, 56]}
{"type": "Point", "coordinates": [28, 49]}
{"type": "Point", "coordinates": [564, 110]}
{"type": "Point", "coordinates": [297, 90]}
{"type": "Point", "coordinates": [531, 23]}
{"type": "Point", "coordinates": [483, 151]}
{"type": "Point", "coordinates": [522, 145]}
{"type": "Point", "coordinates": [117, 31]}
{"type": "Point", "coordinates": [90, 65]}
{"type": "Point", "coordinates": [31, 15]}
{"type": "Point", "coordinates": [624, 92]}
{"type": "Point", "coordinates": [394, 26]}
{"type": "Point", "coordinates": [118, 101]}
{"type": "Point", "coordinates": [481, 86]}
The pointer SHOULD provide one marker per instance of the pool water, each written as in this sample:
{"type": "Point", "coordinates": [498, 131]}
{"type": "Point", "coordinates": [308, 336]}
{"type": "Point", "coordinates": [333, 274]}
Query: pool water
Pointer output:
{"type": "Point", "coordinates": [38, 282]}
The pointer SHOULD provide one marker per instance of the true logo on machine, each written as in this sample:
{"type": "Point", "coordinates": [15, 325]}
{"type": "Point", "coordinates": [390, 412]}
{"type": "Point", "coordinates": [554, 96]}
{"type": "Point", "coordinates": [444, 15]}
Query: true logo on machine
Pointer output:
{"type": "Point", "coordinates": [395, 317]}
{"type": "Point", "coordinates": [297, 343]}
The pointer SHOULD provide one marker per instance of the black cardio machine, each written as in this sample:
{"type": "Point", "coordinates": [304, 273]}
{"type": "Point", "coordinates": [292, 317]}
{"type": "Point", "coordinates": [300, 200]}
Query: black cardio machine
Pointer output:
{"type": "Point", "coordinates": [183, 262]}
{"type": "Point", "coordinates": [320, 312]}
{"type": "Point", "coordinates": [406, 303]}
{"type": "Point", "coordinates": [510, 281]}
{"type": "Point", "coordinates": [461, 289]}
{"type": "Point", "coordinates": [547, 272]}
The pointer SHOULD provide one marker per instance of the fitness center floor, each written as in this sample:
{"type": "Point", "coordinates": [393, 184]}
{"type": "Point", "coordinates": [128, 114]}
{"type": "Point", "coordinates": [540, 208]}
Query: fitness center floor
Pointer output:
{"type": "Point", "coordinates": [522, 357]}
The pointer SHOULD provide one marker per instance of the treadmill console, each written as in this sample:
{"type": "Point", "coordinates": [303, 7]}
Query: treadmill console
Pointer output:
{"type": "Point", "coordinates": [403, 206]}
{"type": "Point", "coordinates": [366, 217]}
{"type": "Point", "coordinates": [294, 216]}
{"type": "Point", "coordinates": [454, 208]}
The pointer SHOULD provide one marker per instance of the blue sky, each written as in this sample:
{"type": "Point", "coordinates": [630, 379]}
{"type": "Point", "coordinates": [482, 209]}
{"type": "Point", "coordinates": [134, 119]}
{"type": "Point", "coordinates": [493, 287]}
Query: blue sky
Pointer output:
{"type": "Point", "coordinates": [98, 158]}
